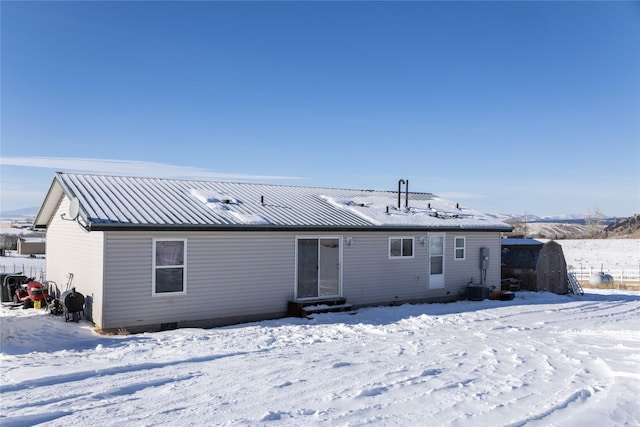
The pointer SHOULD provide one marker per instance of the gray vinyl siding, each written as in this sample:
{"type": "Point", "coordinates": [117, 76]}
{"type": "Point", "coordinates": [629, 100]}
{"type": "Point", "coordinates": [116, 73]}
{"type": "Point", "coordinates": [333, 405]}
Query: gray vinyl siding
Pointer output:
{"type": "Point", "coordinates": [458, 273]}
{"type": "Point", "coordinates": [229, 276]}
{"type": "Point", "coordinates": [70, 249]}
{"type": "Point", "coordinates": [370, 277]}
{"type": "Point", "coordinates": [238, 276]}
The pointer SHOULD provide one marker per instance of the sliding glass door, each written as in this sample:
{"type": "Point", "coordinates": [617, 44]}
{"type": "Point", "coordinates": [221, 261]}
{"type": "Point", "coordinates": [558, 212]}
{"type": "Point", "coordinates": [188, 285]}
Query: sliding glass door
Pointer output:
{"type": "Point", "coordinates": [318, 267]}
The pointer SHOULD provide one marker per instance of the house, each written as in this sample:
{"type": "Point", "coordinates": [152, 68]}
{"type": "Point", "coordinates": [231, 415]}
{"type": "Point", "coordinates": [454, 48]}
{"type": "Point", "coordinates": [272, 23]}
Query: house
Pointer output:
{"type": "Point", "coordinates": [536, 265]}
{"type": "Point", "coordinates": [31, 245]}
{"type": "Point", "coordinates": [160, 253]}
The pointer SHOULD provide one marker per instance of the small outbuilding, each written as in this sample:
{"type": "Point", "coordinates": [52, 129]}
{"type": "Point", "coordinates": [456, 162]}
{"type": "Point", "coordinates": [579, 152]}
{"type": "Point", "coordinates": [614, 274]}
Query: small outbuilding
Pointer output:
{"type": "Point", "coordinates": [535, 265]}
{"type": "Point", "coordinates": [31, 245]}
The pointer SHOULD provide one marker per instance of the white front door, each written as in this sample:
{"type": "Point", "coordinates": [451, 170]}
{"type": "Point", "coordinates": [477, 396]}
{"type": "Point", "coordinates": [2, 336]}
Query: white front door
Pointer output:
{"type": "Point", "coordinates": [436, 261]}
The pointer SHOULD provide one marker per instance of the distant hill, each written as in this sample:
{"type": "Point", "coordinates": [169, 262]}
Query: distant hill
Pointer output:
{"type": "Point", "coordinates": [556, 219]}
{"type": "Point", "coordinates": [625, 227]}
{"type": "Point", "coordinates": [585, 228]}
{"type": "Point", "coordinates": [552, 230]}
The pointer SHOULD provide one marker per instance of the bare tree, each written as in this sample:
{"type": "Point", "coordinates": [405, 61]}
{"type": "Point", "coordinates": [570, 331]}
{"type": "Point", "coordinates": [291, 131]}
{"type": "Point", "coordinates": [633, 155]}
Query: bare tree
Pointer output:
{"type": "Point", "coordinates": [593, 221]}
{"type": "Point", "coordinates": [519, 227]}
{"type": "Point", "coordinates": [8, 241]}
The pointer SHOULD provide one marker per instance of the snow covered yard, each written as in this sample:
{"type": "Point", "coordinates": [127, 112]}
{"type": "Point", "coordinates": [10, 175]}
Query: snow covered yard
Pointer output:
{"type": "Point", "coordinates": [539, 360]}
{"type": "Point", "coordinates": [608, 255]}
{"type": "Point", "coordinates": [30, 267]}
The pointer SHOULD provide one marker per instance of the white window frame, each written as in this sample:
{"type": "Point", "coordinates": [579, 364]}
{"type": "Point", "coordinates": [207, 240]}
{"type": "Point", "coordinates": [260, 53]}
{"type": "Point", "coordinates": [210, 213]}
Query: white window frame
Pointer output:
{"type": "Point", "coordinates": [402, 255]}
{"type": "Point", "coordinates": [156, 267]}
{"type": "Point", "coordinates": [455, 248]}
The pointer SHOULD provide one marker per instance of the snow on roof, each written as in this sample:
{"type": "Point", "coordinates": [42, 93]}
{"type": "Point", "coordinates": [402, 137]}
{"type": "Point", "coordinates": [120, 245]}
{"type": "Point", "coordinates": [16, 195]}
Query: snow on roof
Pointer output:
{"type": "Point", "coordinates": [430, 212]}
{"type": "Point", "coordinates": [107, 201]}
{"type": "Point", "coordinates": [33, 239]}
{"type": "Point", "coordinates": [220, 202]}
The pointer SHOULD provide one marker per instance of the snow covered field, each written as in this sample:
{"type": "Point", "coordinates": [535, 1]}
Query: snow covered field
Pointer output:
{"type": "Point", "coordinates": [539, 360]}
{"type": "Point", "coordinates": [612, 255]}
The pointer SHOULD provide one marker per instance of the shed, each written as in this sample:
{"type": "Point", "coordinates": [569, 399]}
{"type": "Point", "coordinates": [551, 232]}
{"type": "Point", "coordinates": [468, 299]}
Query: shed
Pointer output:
{"type": "Point", "coordinates": [152, 253]}
{"type": "Point", "coordinates": [537, 265]}
{"type": "Point", "coordinates": [31, 246]}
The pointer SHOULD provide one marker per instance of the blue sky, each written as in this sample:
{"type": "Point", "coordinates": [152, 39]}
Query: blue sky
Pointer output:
{"type": "Point", "coordinates": [505, 107]}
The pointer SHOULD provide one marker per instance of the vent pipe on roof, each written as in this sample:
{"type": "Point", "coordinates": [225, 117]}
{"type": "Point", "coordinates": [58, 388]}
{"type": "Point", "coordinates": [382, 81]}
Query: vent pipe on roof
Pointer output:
{"type": "Point", "coordinates": [406, 195]}
{"type": "Point", "coordinates": [406, 191]}
{"type": "Point", "coordinates": [262, 200]}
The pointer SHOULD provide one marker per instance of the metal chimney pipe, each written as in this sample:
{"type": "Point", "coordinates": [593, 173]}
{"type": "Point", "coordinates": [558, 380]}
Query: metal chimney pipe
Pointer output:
{"type": "Point", "coordinates": [406, 195]}
{"type": "Point", "coordinates": [399, 191]}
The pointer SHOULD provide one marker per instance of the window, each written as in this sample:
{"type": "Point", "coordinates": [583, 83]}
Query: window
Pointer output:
{"type": "Point", "coordinates": [169, 259]}
{"type": "Point", "coordinates": [401, 247]}
{"type": "Point", "coordinates": [459, 248]}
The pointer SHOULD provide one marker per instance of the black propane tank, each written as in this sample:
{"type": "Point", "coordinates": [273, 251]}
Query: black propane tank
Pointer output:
{"type": "Point", "coordinates": [73, 303]}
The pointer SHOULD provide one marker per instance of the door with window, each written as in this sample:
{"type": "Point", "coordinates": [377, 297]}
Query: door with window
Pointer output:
{"type": "Point", "coordinates": [318, 267]}
{"type": "Point", "coordinates": [436, 261]}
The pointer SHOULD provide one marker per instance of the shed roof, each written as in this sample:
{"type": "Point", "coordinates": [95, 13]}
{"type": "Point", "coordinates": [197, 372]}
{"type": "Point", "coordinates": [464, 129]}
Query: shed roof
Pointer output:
{"type": "Point", "coordinates": [108, 202]}
{"type": "Point", "coordinates": [33, 239]}
{"type": "Point", "coordinates": [520, 253]}
{"type": "Point", "coordinates": [520, 242]}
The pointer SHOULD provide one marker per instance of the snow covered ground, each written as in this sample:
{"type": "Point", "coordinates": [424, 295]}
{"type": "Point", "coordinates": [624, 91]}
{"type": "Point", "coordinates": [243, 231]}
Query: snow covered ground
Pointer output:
{"type": "Point", "coordinates": [13, 264]}
{"type": "Point", "coordinates": [31, 267]}
{"type": "Point", "coordinates": [612, 255]}
{"type": "Point", "coordinates": [538, 360]}
{"type": "Point", "coordinates": [6, 228]}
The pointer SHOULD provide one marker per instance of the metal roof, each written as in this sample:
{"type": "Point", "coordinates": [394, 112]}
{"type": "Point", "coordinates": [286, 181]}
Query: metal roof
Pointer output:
{"type": "Point", "coordinates": [108, 202]}
{"type": "Point", "coordinates": [520, 242]}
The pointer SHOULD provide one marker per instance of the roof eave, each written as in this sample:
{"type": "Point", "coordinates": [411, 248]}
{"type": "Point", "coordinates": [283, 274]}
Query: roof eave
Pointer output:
{"type": "Point", "coordinates": [48, 208]}
{"type": "Point", "coordinates": [296, 228]}
{"type": "Point", "coordinates": [49, 204]}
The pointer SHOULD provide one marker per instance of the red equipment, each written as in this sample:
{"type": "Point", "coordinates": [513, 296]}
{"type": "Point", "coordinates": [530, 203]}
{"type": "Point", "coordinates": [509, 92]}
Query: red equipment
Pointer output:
{"type": "Point", "coordinates": [31, 294]}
